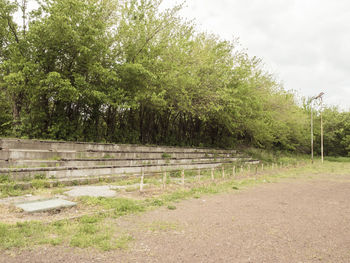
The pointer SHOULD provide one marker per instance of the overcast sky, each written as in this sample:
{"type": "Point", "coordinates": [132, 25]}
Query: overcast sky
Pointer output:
{"type": "Point", "coordinates": [304, 43]}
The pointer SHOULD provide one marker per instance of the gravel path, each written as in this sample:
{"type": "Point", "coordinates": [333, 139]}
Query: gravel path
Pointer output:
{"type": "Point", "coordinates": [295, 220]}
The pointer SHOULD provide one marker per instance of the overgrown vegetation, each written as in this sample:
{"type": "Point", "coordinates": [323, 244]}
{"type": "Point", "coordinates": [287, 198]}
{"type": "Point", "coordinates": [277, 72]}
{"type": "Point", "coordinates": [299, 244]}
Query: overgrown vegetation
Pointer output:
{"type": "Point", "coordinates": [100, 231]}
{"type": "Point", "coordinates": [131, 72]}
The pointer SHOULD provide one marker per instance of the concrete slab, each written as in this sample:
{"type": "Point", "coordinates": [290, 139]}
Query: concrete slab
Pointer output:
{"type": "Point", "coordinates": [128, 186]}
{"type": "Point", "coordinates": [94, 191]}
{"type": "Point", "coordinates": [99, 191]}
{"type": "Point", "coordinates": [45, 205]}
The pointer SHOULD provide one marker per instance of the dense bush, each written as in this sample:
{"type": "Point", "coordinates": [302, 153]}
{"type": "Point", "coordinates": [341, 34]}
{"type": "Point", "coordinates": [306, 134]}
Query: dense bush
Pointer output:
{"type": "Point", "coordinates": [124, 71]}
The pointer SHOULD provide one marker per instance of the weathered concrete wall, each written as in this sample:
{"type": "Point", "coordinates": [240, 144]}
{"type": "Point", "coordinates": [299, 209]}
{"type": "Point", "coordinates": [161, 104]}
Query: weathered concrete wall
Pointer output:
{"type": "Point", "coordinates": [22, 159]}
{"type": "Point", "coordinates": [83, 146]}
{"type": "Point", "coordinates": [107, 162]}
{"type": "Point", "coordinates": [27, 154]}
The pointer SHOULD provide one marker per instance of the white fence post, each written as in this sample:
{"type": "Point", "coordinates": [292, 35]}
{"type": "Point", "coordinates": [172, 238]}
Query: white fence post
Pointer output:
{"type": "Point", "coordinates": [141, 182]}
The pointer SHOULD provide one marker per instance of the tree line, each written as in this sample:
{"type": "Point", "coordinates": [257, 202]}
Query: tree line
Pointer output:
{"type": "Point", "coordinates": [128, 71]}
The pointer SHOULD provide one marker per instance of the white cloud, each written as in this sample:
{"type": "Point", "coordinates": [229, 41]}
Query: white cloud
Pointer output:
{"type": "Point", "coordinates": [305, 42]}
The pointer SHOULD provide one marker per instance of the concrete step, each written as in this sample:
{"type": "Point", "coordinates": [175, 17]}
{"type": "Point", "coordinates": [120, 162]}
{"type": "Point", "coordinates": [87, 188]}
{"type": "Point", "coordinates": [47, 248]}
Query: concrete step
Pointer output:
{"type": "Point", "coordinates": [71, 181]}
{"type": "Point", "coordinates": [83, 171]}
{"type": "Point", "coordinates": [24, 154]}
{"type": "Point", "coordinates": [83, 146]}
{"type": "Point", "coordinates": [104, 162]}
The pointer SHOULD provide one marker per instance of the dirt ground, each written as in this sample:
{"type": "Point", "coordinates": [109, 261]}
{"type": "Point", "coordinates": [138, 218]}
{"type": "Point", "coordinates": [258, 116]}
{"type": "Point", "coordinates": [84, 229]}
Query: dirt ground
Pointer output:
{"type": "Point", "coordinates": [294, 220]}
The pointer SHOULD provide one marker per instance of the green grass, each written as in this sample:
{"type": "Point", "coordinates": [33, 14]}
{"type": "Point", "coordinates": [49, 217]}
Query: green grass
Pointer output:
{"type": "Point", "coordinates": [107, 156]}
{"type": "Point", "coordinates": [122, 242]}
{"type": "Point", "coordinates": [11, 189]}
{"type": "Point", "coordinates": [275, 157]}
{"type": "Point", "coordinates": [56, 158]}
{"type": "Point", "coordinates": [166, 155]}
{"type": "Point", "coordinates": [39, 176]}
{"type": "Point", "coordinates": [338, 159]}
{"type": "Point", "coordinates": [100, 231]}
{"type": "Point", "coordinates": [4, 178]}
{"type": "Point", "coordinates": [121, 206]}
{"type": "Point", "coordinates": [92, 231]}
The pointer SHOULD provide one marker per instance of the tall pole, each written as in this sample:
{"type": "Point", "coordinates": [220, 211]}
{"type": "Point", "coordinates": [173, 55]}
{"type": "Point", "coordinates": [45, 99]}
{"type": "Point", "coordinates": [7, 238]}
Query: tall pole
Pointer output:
{"type": "Point", "coordinates": [312, 135]}
{"type": "Point", "coordinates": [321, 131]}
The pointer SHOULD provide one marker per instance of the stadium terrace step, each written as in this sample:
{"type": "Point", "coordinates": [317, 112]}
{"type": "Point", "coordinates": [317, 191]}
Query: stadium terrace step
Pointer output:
{"type": "Point", "coordinates": [86, 171]}
{"type": "Point", "coordinates": [84, 146]}
{"type": "Point", "coordinates": [26, 154]}
{"type": "Point", "coordinates": [104, 162]}
{"type": "Point", "coordinates": [28, 159]}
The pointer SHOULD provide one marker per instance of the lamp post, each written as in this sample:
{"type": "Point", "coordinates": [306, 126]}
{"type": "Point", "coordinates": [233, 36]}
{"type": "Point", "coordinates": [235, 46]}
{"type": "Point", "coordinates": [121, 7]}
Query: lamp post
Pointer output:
{"type": "Point", "coordinates": [312, 132]}
{"type": "Point", "coordinates": [321, 104]}
{"type": "Point", "coordinates": [319, 96]}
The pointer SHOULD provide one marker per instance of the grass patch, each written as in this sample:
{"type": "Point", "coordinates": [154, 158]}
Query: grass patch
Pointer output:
{"type": "Point", "coordinates": [99, 231]}
{"type": "Point", "coordinates": [123, 241]}
{"type": "Point", "coordinates": [338, 159]}
{"type": "Point", "coordinates": [4, 178]}
{"type": "Point", "coordinates": [121, 206]}
{"type": "Point", "coordinates": [166, 155]}
{"type": "Point", "coordinates": [86, 232]}
{"type": "Point", "coordinates": [56, 158]}
{"type": "Point", "coordinates": [39, 176]}
{"type": "Point", "coordinates": [11, 189]}
{"type": "Point", "coordinates": [107, 156]}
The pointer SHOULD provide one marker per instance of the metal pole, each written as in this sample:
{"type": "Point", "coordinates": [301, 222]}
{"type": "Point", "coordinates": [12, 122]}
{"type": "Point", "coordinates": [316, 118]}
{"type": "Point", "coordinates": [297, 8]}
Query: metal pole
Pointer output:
{"type": "Point", "coordinates": [312, 136]}
{"type": "Point", "coordinates": [321, 132]}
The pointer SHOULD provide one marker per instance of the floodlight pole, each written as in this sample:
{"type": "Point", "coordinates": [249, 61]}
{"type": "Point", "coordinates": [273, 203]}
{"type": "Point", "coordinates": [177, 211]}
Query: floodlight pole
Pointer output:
{"type": "Point", "coordinates": [319, 96]}
{"type": "Point", "coordinates": [321, 131]}
{"type": "Point", "coordinates": [312, 134]}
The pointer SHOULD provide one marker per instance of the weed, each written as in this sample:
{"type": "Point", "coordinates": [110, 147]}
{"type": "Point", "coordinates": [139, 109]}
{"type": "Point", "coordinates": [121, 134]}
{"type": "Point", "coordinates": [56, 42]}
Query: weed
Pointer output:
{"type": "Point", "coordinates": [11, 189]}
{"type": "Point", "coordinates": [4, 178]}
{"type": "Point", "coordinates": [39, 183]}
{"type": "Point", "coordinates": [56, 158]}
{"type": "Point", "coordinates": [89, 219]}
{"type": "Point", "coordinates": [166, 155]}
{"type": "Point", "coordinates": [157, 202]}
{"type": "Point", "coordinates": [338, 159]}
{"type": "Point", "coordinates": [171, 207]}
{"type": "Point", "coordinates": [107, 156]}
{"type": "Point", "coordinates": [75, 182]}
{"type": "Point", "coordinates": [123, 241]}
{"type": "Point", "coordinates": [121, 206]}
{"type": "Point", "coordinates": [39, 176]}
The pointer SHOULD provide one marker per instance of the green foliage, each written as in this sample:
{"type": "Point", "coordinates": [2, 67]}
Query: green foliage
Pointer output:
{"type": "Point", "coordinates": [171, 207]}
{"type": "Point", "coordinates": [127, 72]}
{"type": "Point", "coordinates": [336, 132]}
{"type": "Point", "coordinates": [121, 206]}
{"type": "Point", "coordinates": [39, 176]}
{"type": "Point", "coordinates": [338, 159]}
{"type": "Point", "coordinates": [166, 155]}
{"type": "Point", "coordinates": [4, 178]}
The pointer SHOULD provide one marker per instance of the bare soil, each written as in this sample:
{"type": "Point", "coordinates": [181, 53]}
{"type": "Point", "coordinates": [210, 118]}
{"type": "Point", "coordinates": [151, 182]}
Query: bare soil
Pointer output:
{"type": "Point", "coordinates": [294, 220]}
